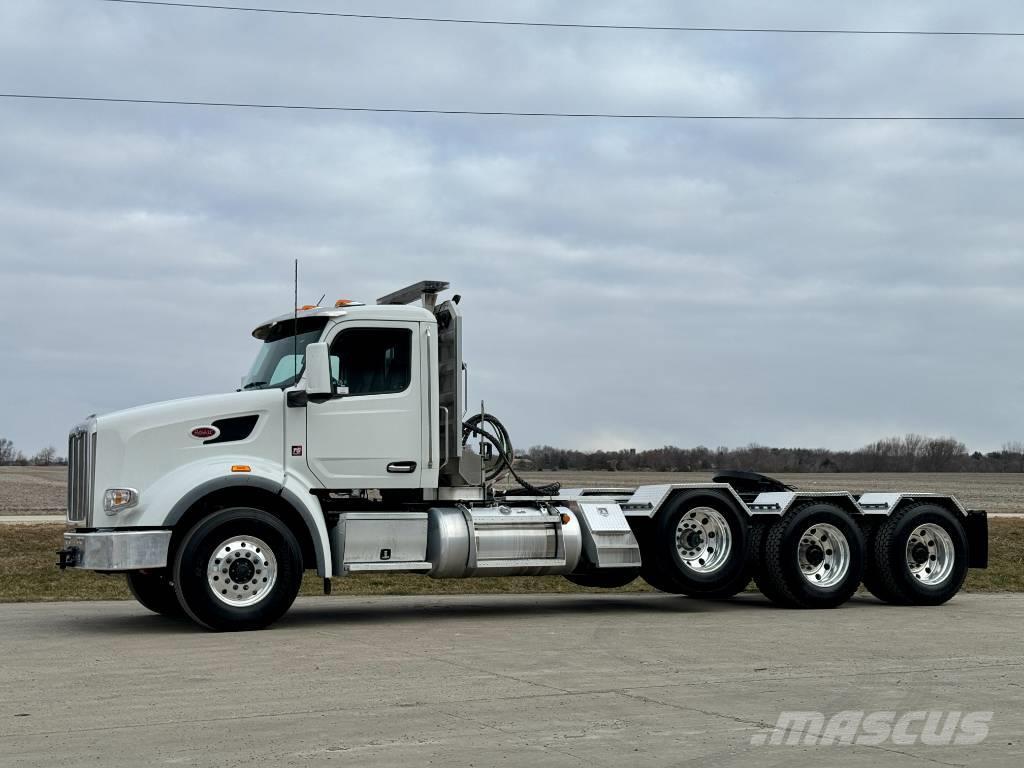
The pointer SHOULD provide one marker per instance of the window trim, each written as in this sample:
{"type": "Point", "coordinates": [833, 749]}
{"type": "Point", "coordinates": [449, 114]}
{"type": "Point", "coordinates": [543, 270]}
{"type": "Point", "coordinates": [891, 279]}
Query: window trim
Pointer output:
{"type": "Point", "coordinates": [383, 327]}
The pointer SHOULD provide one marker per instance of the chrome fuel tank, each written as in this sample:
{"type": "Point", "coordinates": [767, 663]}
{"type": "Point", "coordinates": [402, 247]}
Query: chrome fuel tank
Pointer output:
{"type": "Point", "coordinates": [502, 541]}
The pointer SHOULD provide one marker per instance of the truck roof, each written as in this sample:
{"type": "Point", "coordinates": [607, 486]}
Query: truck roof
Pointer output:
{"type": "Point", "coordinates": [408, 313]}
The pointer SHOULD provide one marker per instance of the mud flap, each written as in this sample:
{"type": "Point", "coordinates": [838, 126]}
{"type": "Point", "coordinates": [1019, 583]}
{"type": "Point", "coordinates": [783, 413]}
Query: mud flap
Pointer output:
{"type": "Point", "coordinates": [976, 527]}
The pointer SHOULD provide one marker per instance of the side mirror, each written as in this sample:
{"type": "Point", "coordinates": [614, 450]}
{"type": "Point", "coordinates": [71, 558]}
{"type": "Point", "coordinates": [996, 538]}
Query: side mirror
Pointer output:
{"type": "Point", "coordinates": [318, 371]}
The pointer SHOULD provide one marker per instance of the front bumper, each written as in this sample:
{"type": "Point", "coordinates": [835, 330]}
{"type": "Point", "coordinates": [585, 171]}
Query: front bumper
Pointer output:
{"type": "Point", "coordinates": [115, 550]}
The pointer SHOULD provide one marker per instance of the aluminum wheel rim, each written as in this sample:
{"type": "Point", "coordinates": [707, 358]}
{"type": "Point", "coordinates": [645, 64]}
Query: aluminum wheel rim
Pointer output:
{"type": "Point", "coordinates": [930, 553]}
{"type": "Point", "coordinates": [823, 555]}
{"type": "Point", "coordinates": [242, 571]}
{"type": "Point", "coordinates": [703, 540]}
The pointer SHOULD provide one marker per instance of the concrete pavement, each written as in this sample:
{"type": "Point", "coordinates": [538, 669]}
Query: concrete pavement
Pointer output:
{"type": "Point", "coordinates": [600, 680]}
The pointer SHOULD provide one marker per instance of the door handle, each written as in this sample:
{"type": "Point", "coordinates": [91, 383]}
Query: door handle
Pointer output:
{"type": "Point", "coordinates": [402, 467]}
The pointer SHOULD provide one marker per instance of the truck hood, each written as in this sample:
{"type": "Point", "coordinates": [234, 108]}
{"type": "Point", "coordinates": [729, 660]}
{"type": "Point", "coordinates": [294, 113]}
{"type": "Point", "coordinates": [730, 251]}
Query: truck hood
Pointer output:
{"type": "Point", "coordinates": [202, 410]}
{"type": "Point", "coordinates": [137, 446]}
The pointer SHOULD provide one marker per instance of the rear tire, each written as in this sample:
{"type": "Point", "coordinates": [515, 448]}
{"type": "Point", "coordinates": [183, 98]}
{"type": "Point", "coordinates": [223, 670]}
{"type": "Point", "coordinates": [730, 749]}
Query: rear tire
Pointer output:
{"type": "Point", "coordinates": [605, 578]}
{"type": "Point", "coordinates": [813, 557]}
{"type": "Point", "coordinates": [643, 530]}
{"type": "Point", "coordinates": [238, 569]}
{"type": "Point", "coordinates": [758, 535]}
{"type": "Point", "coordinates": [919, 556]}
{"type": "Point", "coordinates": [655, 580]}
{"type": "Point", "coordinates": [699, 546]}
{"type": "Point", "coordinates": [154, 590]}
{"type": "Point", "coordinates": [873, 582]}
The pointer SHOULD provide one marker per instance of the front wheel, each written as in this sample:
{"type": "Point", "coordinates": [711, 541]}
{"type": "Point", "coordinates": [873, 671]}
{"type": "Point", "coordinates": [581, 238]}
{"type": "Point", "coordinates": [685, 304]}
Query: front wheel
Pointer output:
{"type": "Point", "coordinates": [154, 590]}
{"type": "Point", "coordinates": [238, 569]}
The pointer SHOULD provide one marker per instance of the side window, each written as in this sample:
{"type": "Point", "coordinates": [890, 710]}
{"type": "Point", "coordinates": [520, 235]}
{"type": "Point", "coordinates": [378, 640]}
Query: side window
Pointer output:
{"type": "Point", "coordinates": [372, 361]}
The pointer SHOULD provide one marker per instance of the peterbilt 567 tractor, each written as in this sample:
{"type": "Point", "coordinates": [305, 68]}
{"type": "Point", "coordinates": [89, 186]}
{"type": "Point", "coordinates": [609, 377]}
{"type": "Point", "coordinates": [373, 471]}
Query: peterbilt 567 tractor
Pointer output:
{"type": "Point", "coordinates": [350, 448]}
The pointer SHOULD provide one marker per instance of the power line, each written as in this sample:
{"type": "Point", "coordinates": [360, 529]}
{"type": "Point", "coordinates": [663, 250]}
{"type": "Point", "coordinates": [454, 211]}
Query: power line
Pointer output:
{"type": "Point", "coordinates": [566, 25]}
{"type": "Point", "coordinates": [508, 113]}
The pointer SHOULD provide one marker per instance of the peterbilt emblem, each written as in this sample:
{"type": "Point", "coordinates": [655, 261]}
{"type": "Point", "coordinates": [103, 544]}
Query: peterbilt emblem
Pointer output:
{"type": "Point", "coordinates": [204, 433]}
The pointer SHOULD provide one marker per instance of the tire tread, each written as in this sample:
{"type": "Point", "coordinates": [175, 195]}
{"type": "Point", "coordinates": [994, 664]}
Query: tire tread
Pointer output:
{"type": "Point", "coordinates": [772, 570]}
{"type": "Point", "coordinates": [883, 577]}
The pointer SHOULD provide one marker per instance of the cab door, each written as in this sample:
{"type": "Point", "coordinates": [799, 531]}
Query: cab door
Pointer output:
{"type": "Point", "coordinates": [371, 437]}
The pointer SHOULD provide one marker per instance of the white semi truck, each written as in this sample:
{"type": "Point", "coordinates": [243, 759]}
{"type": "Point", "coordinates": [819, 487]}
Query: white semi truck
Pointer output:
{"type": "Point", "coordinates": [348, 450]}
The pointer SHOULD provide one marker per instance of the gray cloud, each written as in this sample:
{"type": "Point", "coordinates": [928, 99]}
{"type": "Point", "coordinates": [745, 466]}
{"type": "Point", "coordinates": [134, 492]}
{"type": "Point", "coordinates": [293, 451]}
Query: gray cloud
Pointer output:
{"type": "Point", "coordinates": [625, 283]}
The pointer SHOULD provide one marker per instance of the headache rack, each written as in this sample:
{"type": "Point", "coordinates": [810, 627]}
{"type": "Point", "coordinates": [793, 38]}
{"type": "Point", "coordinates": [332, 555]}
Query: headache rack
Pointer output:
{"type": "Point", "coordinates": [425, 291]}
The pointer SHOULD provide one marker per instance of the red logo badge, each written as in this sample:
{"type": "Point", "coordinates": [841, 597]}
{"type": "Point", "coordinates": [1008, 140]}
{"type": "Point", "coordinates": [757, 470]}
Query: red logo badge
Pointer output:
{"type": "Point", "coordinates": [204, 433]}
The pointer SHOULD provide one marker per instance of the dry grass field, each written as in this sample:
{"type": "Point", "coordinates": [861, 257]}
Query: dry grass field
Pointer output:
{"type": "Point", "coordinates": [41, 490]}
{"type": "Point", "coordinates": [27, 572]}
{"type": "Point", "coordinates": [27, 557]}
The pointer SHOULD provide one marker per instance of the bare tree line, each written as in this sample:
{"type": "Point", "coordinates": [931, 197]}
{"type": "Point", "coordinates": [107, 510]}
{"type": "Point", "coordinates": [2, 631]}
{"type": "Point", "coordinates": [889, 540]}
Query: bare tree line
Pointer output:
{"type": "Point", "coordinates": [910, 453]}
{"type": "Point", "coordinates": [11, 456]}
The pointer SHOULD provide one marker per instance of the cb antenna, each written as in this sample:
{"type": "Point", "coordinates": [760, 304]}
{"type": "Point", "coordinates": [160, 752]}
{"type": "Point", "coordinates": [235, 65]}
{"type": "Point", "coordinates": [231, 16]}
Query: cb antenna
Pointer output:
{"type": "Point", "coordinates": [295, 329]}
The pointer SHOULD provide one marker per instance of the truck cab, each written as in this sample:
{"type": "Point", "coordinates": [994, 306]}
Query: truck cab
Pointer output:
{"type": "Point", "coordinates": [374, 426]}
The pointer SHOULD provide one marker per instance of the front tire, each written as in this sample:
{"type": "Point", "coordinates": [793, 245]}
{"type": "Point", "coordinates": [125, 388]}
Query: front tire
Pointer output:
{"type": "Point", "coordinates": [699, 546]}
{"type": "Point", "coordinates": [813, 557]}
{"type": "Point", "coordinates": [154, 590]}
{"type": "Point", "coordinates": [918, 556]}
{"type": "Point", "coordinates": [238, 569]}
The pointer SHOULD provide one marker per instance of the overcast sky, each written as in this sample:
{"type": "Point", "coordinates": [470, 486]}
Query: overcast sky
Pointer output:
{"type": "Point", "coordinates": [625, 283]}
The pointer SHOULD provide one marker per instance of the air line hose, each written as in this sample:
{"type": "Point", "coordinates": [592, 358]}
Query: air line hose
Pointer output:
{"type": "Point", "coordinates": [488, 427]}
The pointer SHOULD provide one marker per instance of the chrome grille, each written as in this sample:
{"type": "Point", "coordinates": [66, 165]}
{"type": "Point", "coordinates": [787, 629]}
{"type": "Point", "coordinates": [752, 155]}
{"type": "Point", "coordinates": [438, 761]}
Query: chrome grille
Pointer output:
{"type": "Point", "coordinates": [81, 472]}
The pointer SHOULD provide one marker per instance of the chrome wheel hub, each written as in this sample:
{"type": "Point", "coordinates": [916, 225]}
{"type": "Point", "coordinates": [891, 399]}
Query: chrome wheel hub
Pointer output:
{"type": "Point", "coordinates": [703, 540]}
{"type": "Point", "coordinates": [241, 571]}
{"type": "Point", "coordinates": [930, 554]}
{"type": "Point", "coordinates": [823, 555]}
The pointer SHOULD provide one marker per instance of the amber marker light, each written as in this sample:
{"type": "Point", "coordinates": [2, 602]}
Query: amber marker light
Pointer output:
{"type": "Point", "coordinates": [241, 468]}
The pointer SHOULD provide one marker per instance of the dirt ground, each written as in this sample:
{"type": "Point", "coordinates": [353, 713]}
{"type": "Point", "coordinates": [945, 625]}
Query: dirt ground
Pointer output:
{"type": "Point", "coordinates": [991, 492]}
{"type": "Point", "coordinates": [41, 490]}
{"type": "Point", "coordinates": [33, 490]}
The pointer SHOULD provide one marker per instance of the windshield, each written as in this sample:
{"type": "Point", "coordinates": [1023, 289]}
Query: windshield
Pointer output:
{"type": "Point", "coordinates": [276, 364]}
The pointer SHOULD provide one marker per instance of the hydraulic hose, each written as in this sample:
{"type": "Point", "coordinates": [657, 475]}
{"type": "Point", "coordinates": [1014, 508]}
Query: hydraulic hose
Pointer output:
{"type": "Point", "coordinates": [488, 427]}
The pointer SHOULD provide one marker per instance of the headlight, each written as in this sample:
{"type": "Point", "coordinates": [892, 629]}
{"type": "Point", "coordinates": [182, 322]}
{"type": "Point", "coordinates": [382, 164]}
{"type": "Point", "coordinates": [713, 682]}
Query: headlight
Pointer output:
{"type": "Point", "coordinates": [117, 499]}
